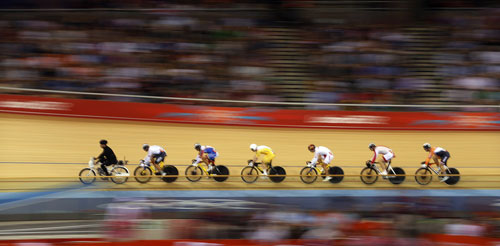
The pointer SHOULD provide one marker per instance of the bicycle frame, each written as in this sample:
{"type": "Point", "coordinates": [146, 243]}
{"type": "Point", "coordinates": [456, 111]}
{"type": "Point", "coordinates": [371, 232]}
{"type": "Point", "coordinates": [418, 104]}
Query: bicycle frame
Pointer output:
{"type": "Point", "coordinates": [389, 168]}
{"type": "Point", "coordinates": [318, 169]}
{"type": "Point", "coordinates": [203, 168]}
{"type": "Point", "coordinates": [256, 165]}
{"type": "Point", "coordinates": [436, 171]}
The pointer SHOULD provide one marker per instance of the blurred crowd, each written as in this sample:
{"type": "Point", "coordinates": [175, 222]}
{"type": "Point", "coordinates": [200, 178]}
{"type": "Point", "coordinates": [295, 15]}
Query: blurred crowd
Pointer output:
{"type": "Point", "coordinates": [197, 51]}
{"type": "Point", "coordinates": [377, 227]}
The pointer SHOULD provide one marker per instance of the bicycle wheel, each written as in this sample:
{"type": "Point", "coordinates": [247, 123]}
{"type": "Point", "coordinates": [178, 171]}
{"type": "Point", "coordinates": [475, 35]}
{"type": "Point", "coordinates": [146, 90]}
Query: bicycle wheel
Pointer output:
{"type": "Point", "coordinates": [368, 175]}
{"type": "Point", "coordinates": [308, 175]}
{"type": "Point", "coordinates": [277, 170]}
{"type": "Point", "coordinates": [397, 179]}
{"type": "Point", "coordinates": [143, 174]}
{"type": "Point", "coordinates": [423, 176]}
{"type": "Point", "coordinates": [193, 173]}
{"type": "Point", "coordinates": [221, 170]}
{"type": "Point", "coordinates": [249, 174]}
{"type": "Point", "coordinates": [453, 179]}
{"type": "Point", "coordinates": [336, 171]}
{"type": "Point", "coordinates": [170, 170]}
{"type": "Point", "coordinates": [87, 176]}
{"type": "Point", "coordinates": [119, 175]}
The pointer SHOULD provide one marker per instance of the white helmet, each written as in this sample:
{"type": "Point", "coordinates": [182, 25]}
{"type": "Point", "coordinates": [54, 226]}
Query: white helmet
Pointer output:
{"type": "Point", "coordinates": [253, 147]}
{"type": "Point", "coordinates": [145, 146]}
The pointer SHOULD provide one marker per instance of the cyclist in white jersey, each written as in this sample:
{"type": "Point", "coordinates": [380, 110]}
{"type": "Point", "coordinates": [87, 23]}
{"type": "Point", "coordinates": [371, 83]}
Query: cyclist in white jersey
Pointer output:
{"type": "Point", "coordinates": [383, 153]}
{"type": "Point", "coordinates": [156, 155]}
{"type": "Point", "coordinates": [323, 155]}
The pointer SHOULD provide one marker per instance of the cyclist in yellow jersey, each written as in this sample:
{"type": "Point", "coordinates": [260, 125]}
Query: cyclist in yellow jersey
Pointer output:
{"type": "Point", "coordinates": [265, 153]}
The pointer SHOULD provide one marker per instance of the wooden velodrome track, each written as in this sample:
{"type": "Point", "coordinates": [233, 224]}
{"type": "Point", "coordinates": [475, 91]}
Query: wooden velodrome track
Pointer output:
{"type": "Point", "coordinates": [29, 143]}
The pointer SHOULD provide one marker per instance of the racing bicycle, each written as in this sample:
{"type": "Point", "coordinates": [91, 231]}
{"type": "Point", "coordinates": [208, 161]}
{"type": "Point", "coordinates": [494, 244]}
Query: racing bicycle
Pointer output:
{"type": "Point", "coordinates": [250, 173]}
{"type": "Point", "coordinates": [195, 172]}
{"type": "Point", "coordinates": [309, 174]}
{"type": "Point", "coordinates": [370, 173]}
{"type": "Point", "coordinates": [119, 173]}
{"type": "Point", "coordinates": [423, 175]}
{"type": "Point", "coordinates": [144, 172]}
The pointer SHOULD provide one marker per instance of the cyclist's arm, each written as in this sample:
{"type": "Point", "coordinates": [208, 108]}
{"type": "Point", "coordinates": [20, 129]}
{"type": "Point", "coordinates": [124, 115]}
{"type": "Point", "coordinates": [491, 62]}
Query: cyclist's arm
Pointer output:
{"type": "Point", "coordinates": [147, 159]}
{"type": "Point", "coordinates": [257, 156]}
{"type": "Point", "coordinates": [315, 158]}
{"type": "Point", "coordinates": [198, 158]}
{"type": "Point", "coordinates": [429, 158]}
{"type": "Point", "coordinates": [375, 154]}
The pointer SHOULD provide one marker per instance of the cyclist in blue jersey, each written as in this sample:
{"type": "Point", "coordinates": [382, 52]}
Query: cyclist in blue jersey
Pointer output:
{"type": "Point", "coordinates": [207, 155]}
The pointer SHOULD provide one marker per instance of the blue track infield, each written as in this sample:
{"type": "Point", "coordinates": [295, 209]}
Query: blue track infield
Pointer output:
{"type": "Point", "coordinates": [81, 200]}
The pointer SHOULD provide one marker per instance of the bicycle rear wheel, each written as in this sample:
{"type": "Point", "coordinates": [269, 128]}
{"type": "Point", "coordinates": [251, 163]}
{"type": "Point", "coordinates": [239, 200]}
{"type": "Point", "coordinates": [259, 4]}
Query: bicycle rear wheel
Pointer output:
{"type": "Point", "coordinates": [368, 175]}
{"type": "Point", "coordinates": [194, 173]}
{"type": "Point", "coordinates": [87, 176]}
{"type": "Point", "coordinates": [336, 171]}
{"type": "Point", "coordinates": [453, 179]}
{"type": "Point", "coordinates": [221, 170]}
{"type": "Point", "coordinates": [397, 179]}
{"type": "Point", "coordinates": [249, 174]}
{"type": "Point", "coordinates": [277, 170]}
{"type": "Point", "coordinates": [308, 175]}
{"type": "Point", "coordinates": [170, 170]}
{"type": "Point", "coordinates": [423, 176]}
{"type": "Point", "coordinates": [143, 174]}
{"type": "Point", "coordinates": [119, 175]}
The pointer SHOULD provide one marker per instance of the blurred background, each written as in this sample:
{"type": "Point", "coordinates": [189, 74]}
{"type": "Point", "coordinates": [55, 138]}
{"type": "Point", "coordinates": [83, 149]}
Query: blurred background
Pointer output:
{"type": "Point", "coordinates": [404, 53]}
{"type": "Point", "coordinates": [387, 52]}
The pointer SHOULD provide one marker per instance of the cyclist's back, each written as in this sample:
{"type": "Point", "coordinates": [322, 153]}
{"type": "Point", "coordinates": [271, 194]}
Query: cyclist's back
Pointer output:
{"type": "Point", "coordinates": [264, 150]}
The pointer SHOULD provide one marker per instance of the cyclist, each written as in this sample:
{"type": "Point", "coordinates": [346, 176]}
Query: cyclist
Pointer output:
{"type": "Point", "coordinates": [107, 157]}
{"type": "Point", "coordinates": [207, 155]}
{"type": "Point", "coordinates": [266, 153]}
{"type": "Point", "coordinates": [381, 151]}
{"type": "Point", "coordinates": [323, 155]}
{"type": "Point", "coordinates": [156, 155]}
{"type": "Point", "coordinates": [440, 157]}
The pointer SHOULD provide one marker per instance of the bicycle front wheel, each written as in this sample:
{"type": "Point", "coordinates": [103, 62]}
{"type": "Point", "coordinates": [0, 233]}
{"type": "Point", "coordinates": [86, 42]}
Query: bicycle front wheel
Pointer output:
{"type": "Point", "coordinates": [249, 174]}
{"type": "Point", "coordinates": [143, 174]}
{"type": "Point", "coordinates": [193, 173]}
{"type": "Point", "coordinates": [119, 175]}
{"type": "Point", "coordinates": [423, 176]}
{"type": "Point", "coordinates": [368, 175]}
{"type": "Point", "coordinates": [87, 176]}
{"type": "Point", "coordinates": [308, 175]}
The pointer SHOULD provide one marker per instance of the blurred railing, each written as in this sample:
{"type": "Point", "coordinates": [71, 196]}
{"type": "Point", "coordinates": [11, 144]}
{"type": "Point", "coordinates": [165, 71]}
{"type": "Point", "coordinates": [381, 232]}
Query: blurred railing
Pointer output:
{"type": "Point", "coordinates": [225, 102]}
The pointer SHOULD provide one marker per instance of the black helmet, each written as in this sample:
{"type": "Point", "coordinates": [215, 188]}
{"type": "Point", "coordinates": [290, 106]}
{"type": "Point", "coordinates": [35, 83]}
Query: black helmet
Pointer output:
{"type": "Point", "coordinates": [145, 146]}
{"type": "Point", "coordinates": [104, 141]}
{"type": "Point", "coordinates": [427, 146]}
{"type": "Point", "coordinates": [371, 146]}
{"type": "Point", "coordinates": [197, 146]}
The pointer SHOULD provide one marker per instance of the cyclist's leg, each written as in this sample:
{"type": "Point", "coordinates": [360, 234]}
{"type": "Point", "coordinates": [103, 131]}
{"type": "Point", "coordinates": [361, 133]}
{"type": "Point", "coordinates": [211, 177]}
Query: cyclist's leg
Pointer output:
{"type": "Point", "coordinates": [104, 166]}
{"type": "Point", "coordinates": [211, 160]}
{"type": "Point", "coordinates": [267, 161]}
{"type": "Point", "coordinates": [443, 165]}
{"type": "Point", "coordinates": [385, 160]}
{"type": "Point", "coordinates": [157, 159]}
{"type": "Point", "coordinates": [324, 163]}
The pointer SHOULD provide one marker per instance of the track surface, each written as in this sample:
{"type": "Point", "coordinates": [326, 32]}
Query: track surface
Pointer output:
{"type": "Point", "coordinates": [32, 139]}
